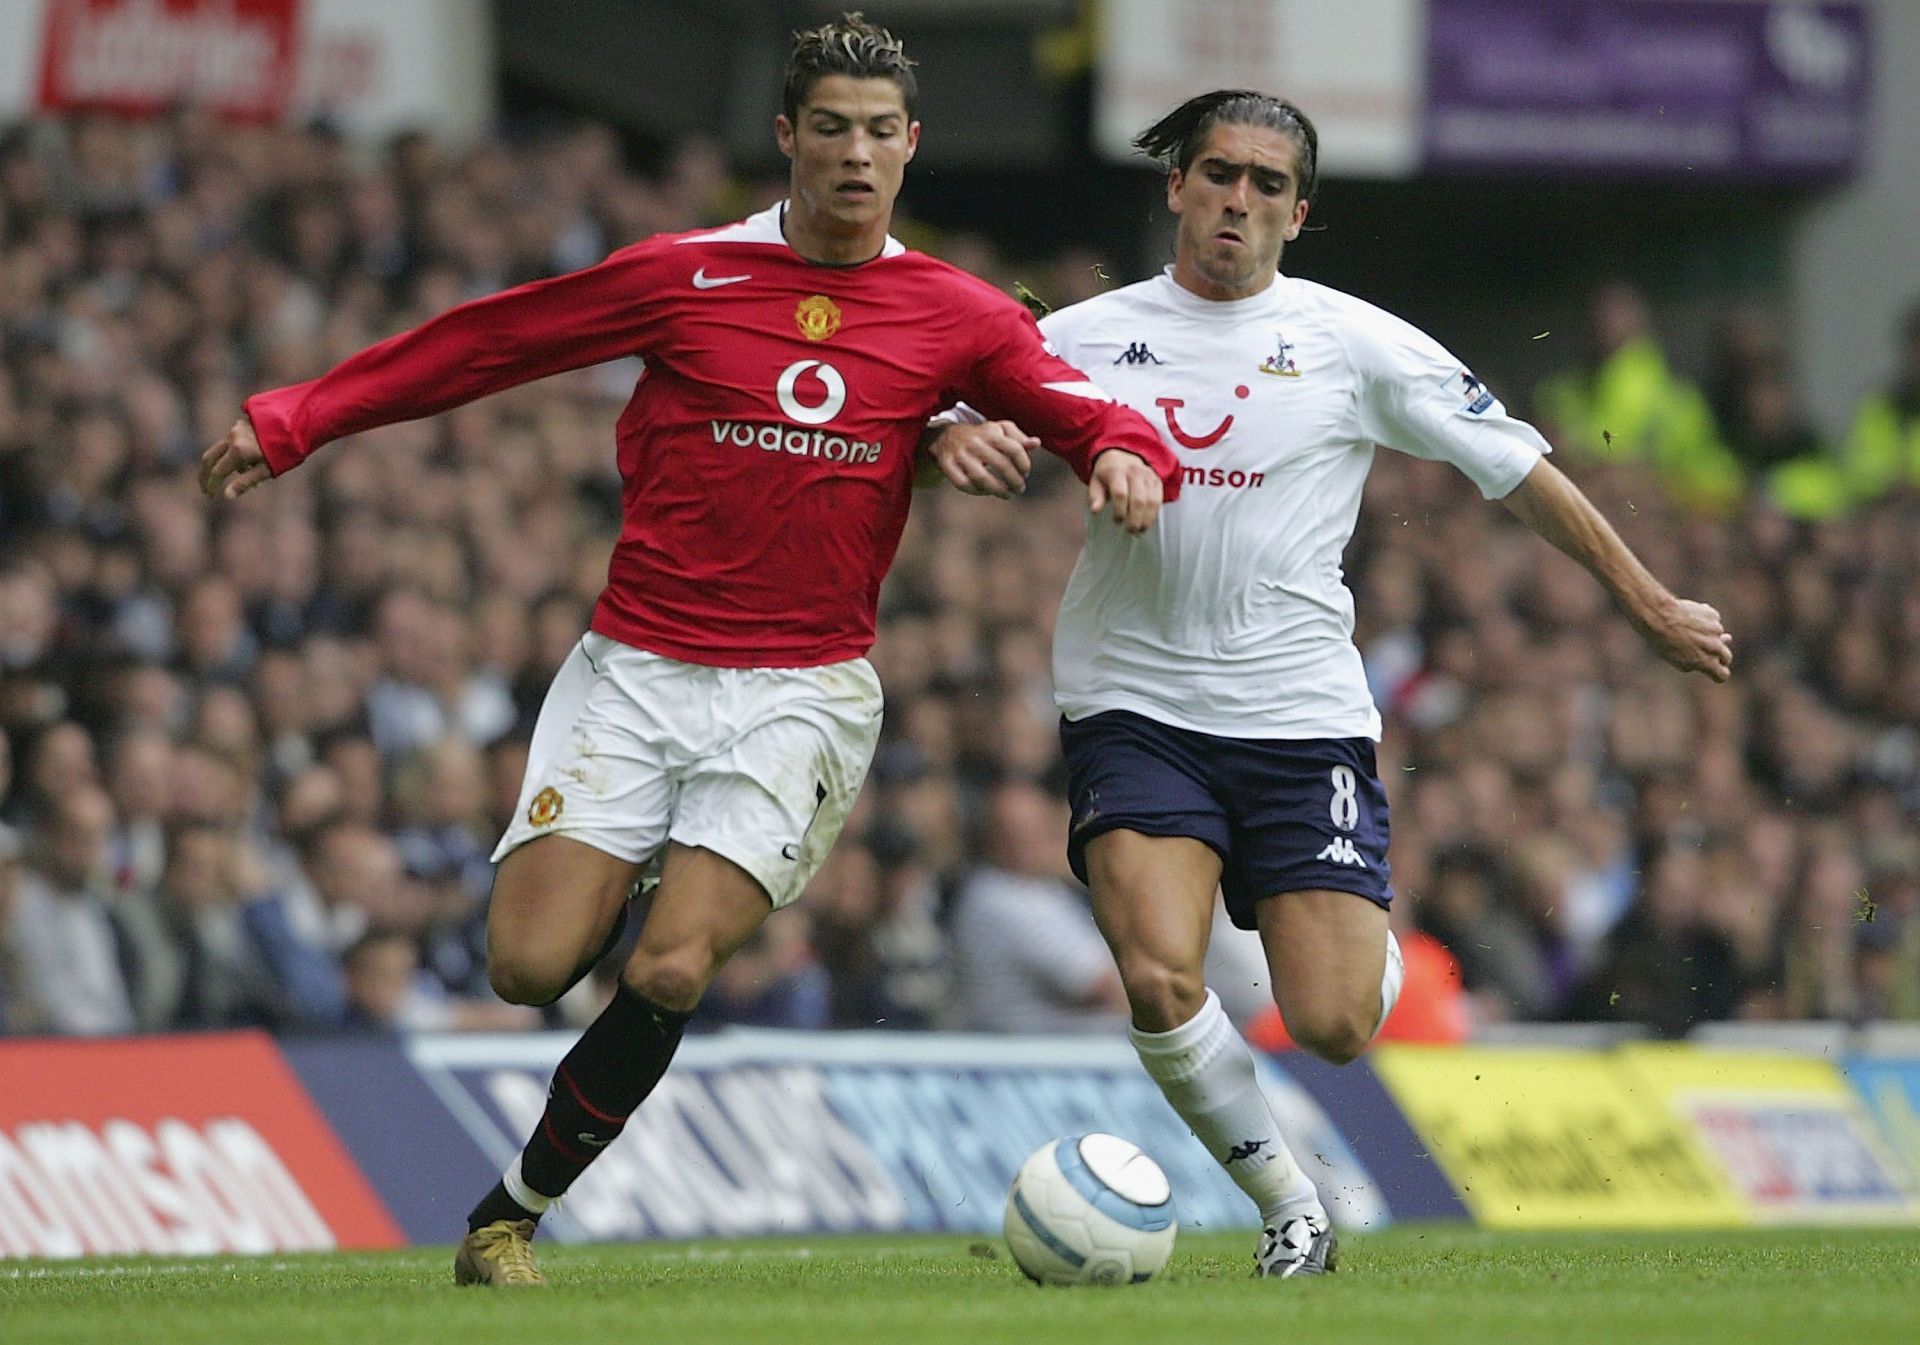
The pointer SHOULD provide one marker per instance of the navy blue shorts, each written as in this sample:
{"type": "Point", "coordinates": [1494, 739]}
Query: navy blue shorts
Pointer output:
{"type": "Point", "coordinates": [1284, 815]}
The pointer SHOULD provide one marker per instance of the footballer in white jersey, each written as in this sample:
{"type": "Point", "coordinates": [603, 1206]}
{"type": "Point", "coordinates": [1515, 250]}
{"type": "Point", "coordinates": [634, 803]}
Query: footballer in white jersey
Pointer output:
{"type": "Point", "coordinates": [1216, 723]}
{"type": "Point", "coordinates": [1233, 618]}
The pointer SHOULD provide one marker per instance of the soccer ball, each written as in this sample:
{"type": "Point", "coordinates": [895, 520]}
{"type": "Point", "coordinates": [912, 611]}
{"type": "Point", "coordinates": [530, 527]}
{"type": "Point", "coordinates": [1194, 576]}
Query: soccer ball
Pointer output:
{"type": "Point", "coordinates": [1090, 1209]}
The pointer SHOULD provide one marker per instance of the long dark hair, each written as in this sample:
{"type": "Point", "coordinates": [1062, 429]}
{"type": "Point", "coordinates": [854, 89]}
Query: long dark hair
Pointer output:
{"type": "Point", "coordinates": [1177, 137]}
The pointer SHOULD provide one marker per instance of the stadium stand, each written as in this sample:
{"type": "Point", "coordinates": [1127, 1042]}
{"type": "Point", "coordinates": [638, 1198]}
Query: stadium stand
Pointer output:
{"type": "Point", "coordinates": [252, 758]}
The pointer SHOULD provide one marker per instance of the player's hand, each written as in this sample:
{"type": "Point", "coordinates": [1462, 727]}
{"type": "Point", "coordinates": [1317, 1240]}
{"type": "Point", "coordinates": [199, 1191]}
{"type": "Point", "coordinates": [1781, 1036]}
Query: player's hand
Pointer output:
{"type": "Point", "coordinates": [1125, 481]}
{"type": "Point", "coordinates": [235, 465]}
{"type": "Point", "coordinates": [1690, 637]}
{"type": "Point", "coordinates": [991, 458]}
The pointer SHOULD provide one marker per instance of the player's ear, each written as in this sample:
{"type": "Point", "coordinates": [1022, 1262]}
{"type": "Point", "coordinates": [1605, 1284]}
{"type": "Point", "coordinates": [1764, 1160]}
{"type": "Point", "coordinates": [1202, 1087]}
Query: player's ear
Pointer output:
{"type": "Point", "coordinates": [1298, 221]}
{"type": "Point", "coordinates": [783, 133]}
{"type": "Point", "coordinates": [913, 138]}
{"type": "Point", "coordinates": [1174, 180]}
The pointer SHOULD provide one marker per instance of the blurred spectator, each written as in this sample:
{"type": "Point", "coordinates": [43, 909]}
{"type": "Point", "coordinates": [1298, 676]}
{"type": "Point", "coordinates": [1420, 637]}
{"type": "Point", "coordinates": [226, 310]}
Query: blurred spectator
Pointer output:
{"type": "Point", "coordinates": [74, 962]}
{"type": "Point", "coordinates": [1665, 965]}
{"type": "Point", "coordinates": [380, 968]}
{"type": "Point", "coordinates": [1471, 906]}
{"type": "Point", "coordinates": [1883, 445]}
{"type": "Point", "coordinates": [875, 911]}
{"type": "Point", "coordinates": [139, 780]}
{"type": "Point", "coordinates": [1751, 394]}
{"type": "Point", "coordinates": [1027, 957]}
{"type": "Point", "coordinates": [226, 981]}
{"type": "Point", "coordinates": [20, 1013]}
{"type": "Point", "coordinates": [775, 980]}
{"type": "Point", "coordinates": [1625, 404]}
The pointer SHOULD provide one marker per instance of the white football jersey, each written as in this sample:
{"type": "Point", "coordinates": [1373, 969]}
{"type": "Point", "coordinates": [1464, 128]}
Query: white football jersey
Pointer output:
{"type": "Point", "coordinates": [1230, 615]}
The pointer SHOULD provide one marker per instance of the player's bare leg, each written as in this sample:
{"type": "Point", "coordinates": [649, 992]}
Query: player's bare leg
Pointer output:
{"type": "Point", "coordinates": [1335, 973]}
{"type": "Point", "coordinates": [1333, 965]}
{"type": "Point", "coordinates": [703, 910]}
{"type": "Point", "coordinates": [1153, 899]}
{"type": "Point", "coordinates": [556, 903]}
{"type": "Point", "coordinates": [706, 907]}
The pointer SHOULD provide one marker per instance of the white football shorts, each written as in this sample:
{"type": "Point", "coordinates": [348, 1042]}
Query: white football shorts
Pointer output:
{"type": "Point", "coordinates": [758, 765]}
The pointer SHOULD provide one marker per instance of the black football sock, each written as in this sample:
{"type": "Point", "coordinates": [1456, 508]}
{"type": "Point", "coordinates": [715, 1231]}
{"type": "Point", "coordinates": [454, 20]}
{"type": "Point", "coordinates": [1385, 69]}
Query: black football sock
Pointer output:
{"type": "Point", "coordinates": [497, 1205]}
{"type": "Point", "coordinates": [599, 1083]}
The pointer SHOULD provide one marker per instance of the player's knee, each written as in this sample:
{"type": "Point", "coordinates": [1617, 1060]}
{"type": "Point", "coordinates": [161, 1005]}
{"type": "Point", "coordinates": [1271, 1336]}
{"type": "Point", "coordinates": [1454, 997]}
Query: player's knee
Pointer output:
{"type": "Point", "coordinates": [1161, 994]}
{"type": "Point", "coordinates": [520, 980]}
{"type": "Point", "coordinates": [1336, 1036]}
{"type": "Point", "coordinates": [673, 980]}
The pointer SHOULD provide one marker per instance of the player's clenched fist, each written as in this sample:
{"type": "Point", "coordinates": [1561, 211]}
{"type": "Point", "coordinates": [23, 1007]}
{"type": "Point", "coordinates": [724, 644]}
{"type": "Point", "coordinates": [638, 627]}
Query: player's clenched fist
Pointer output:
{"type": "Point", "coordinates": [991, 458]}
{"type": "Point", "coordinates": [1124, 480]}
{"type": "Point", "coordinates": [1689, 635]}
{"type": "Point", "coordinates": [235, 465]}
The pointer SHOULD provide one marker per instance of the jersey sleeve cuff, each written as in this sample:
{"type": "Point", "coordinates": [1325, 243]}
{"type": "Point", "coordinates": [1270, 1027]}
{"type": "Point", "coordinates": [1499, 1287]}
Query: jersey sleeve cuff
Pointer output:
{"type": "Point", "coordinates": [272, 416]}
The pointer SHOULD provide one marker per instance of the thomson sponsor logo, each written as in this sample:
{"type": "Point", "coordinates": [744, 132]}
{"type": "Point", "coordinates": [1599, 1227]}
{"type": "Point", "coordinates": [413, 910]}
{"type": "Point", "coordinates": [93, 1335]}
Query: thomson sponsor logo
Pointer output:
{"type": "Point", "coordinates": [172, 1188]}
{"type": "Point", "coordinates": [1220, 476]}
{"type": "Point", "coordinates": [800, 443]}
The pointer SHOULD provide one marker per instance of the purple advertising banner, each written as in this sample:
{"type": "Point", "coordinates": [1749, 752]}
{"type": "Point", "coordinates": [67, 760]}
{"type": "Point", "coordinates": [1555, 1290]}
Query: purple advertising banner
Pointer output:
{"type": "Point", "coordinates": [1705, 88]}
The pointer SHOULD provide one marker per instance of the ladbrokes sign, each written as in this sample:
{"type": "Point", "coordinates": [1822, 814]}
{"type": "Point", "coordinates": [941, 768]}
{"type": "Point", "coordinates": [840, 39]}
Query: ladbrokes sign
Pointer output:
{"type": "Point", "coordinates": [179, 1145]}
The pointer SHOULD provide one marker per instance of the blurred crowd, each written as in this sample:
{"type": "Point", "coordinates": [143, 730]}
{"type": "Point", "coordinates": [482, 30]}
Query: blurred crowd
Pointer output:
{"type": "Point", "coordinates": [253, 758]}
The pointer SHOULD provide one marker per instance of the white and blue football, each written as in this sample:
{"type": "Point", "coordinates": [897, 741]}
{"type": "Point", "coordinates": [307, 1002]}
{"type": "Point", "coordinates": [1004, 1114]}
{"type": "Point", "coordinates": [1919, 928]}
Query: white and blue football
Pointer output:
{"type": "Point", "coordinates": [1090, 1209]}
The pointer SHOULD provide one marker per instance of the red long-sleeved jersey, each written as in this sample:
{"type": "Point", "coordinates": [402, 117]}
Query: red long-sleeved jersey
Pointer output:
{"type": "Point", "coordinates": [767, 451]}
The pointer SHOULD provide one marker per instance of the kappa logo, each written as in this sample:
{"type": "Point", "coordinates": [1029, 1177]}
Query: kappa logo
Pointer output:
{"type": "Point", "coordinates": [1340, 851]}
{"type": "Point", "coordinates": [1137, 353]}
{"type": "Point", "coordinates": [1244, 1151]}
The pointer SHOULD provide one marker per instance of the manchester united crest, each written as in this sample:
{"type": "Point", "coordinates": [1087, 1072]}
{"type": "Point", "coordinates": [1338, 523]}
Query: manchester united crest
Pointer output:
{"type": "Point", "coordinates": [818, 317]}
{"type": "Point", "coordinates": [545, 808]}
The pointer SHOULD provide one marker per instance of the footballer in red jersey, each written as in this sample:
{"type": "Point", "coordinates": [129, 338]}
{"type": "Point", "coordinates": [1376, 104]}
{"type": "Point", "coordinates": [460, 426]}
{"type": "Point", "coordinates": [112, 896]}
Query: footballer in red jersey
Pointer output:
{"type": "Point", "coordinates": [715, 725]}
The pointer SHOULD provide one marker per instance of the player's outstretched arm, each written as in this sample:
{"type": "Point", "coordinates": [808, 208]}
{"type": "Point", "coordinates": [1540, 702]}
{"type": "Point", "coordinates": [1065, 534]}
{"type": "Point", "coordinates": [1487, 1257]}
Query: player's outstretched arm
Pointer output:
{"type": "Point", "coordinates": [235, 465]}
{"type": "Point", "coordinates": [1686, 634]}
{"type": "Point", "coordinates": [987, 458]}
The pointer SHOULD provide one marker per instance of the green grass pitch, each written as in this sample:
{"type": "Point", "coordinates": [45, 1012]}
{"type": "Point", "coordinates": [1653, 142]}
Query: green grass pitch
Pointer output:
{"type": "Point", "coordinates": [1409, 1286]}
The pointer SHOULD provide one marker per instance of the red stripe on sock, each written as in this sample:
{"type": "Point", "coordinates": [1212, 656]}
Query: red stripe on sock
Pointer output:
{"type": "Point", "coordinates": [546, 1126]}
{"type": "Point", "coordinates": [580, 1098]}
{"type": "Point", "coordinates": [586, 1106]}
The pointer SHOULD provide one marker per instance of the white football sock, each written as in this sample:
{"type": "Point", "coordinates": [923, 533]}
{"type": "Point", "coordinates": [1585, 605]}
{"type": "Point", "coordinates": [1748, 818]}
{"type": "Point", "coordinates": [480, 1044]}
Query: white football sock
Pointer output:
{"type": "Point", "coordinates": [1390, 981]}
{"type": "Point", "coordinates": [523, 1195]}
{"type": "Point", "coordinates": [1207, 1073]}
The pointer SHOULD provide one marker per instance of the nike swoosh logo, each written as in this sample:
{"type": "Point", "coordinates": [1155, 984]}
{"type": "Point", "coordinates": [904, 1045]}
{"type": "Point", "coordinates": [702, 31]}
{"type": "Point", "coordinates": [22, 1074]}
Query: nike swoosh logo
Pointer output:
{"type": "Point", "coordinates": [703, 281]}
{"type": "Point", "coordinates": [594, 1140]}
